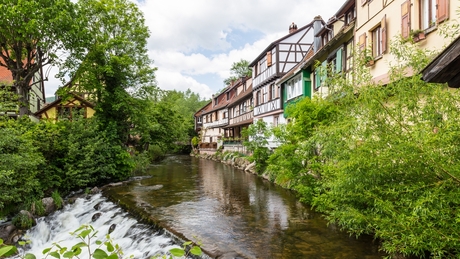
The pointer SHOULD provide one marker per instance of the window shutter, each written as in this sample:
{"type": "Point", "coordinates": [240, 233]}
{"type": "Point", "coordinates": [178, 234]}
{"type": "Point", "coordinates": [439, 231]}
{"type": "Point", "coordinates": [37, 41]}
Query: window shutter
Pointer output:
{"type": "Point", "coordinates": [269, 58]}
{"type": "Point", "coordinates": [363, 2]}
{"type": "Point", "coordinates": [383, 28]}
{"type": "Point", "coordinates": [338, 65]}
{"type": "Point", "coordinates": [405, 19]}
{"type": "Point", "coordinates": [442, 10]}
{"type": "Point", "coordinates": [362, 42]}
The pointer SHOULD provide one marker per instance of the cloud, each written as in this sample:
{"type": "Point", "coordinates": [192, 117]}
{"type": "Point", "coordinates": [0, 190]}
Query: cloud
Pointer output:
{"type": "Point", "coordinates": [194, 40]}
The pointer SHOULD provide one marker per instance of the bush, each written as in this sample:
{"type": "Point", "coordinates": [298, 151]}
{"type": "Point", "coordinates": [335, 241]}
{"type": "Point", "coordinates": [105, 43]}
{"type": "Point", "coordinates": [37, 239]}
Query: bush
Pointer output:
{"type": "Point", "coordinates": [22, 221]}
{"type": "Point", "coordinates": [155, 153]}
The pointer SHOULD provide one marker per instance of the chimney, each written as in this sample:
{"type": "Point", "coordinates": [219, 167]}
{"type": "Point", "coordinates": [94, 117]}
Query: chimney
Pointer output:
{"type": "Point", "coordinates": [292, 27]}
{"type": "Point", "coordinates": [317, 26]}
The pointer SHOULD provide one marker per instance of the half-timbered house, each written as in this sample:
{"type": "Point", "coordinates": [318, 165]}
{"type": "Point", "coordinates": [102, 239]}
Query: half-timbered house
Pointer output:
{"type": "Point", "coordinates": [71, 107]}
{"type": "Point", "coordinates": [273, 63]}
{"type": "Point", "coordinates": [240, 112]}
{"type": "Point", "coordinates": [214, 119]}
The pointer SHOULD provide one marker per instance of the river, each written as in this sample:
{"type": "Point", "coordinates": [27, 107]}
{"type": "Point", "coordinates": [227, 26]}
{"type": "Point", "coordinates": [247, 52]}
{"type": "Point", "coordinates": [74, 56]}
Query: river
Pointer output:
{"type": "Point", "coordinates": [235, 214]}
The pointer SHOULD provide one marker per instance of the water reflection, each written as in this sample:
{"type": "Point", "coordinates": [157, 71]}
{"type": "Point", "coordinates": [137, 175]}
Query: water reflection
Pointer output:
{"type": "Point", "coordinates": [236, 213]}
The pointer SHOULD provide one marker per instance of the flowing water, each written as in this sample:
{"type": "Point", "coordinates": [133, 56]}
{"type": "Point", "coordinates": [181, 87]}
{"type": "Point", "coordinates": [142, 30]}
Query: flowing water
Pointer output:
{"type": "Point", "coordinates": [139, 240]}
{"type": "Point", "coordinates": [235, 214]}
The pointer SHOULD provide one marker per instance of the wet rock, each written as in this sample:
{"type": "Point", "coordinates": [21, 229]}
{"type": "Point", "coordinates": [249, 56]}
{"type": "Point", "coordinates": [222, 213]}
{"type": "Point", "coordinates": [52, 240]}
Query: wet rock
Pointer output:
{"type": "Point", "coordinates": [98, 206]}
{"type": "Point", "coordinates": [230, 256]}
{"type": "Point", "coordinates": [96, 216]}
{"type": "Point", "coordinates": [155, 187]}
{"type": "Point", "coordinates": [6, 230]}
{"type": "Point", "coordinates": [251, 167]}
{"type": "Point", "coordinates": [95, 190]}
{"type": "Point", "coordinates": [112, 228]}
{"type": "Point", "coordinates": [49, 205]}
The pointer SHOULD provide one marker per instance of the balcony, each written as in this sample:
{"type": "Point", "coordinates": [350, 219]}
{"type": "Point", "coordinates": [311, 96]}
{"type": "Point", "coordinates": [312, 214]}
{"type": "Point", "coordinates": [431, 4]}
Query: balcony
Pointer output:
{"type": "Point", "coordinates": [264, 76]}
{"type": "Point", "coordinates": [216, 124]}
{"type": "Point", "coordinates": [242, 118]}
{"type": "Point", "coordinates": [267, 107]}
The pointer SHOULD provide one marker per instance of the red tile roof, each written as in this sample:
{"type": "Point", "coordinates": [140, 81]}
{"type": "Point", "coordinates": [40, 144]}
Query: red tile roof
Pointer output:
{"type": "Point", "coordinates": [5, 75]}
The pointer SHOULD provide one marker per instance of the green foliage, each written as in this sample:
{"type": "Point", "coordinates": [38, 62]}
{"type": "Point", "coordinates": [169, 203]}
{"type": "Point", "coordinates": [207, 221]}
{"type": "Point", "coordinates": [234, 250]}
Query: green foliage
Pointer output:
{"type": "Point", "coordinates": [239, 70]}
{"type": "Point", "coordinates": [256, 142]}
{"type": "Point", "coordinates": [37, 208]}
{"type": "Point", "coordinates": [141, 162]}
{"type": "Point", "coordinates": [43, 28]}
{"type": "Point", "coordinates": [22, 221]}
{"type": "Point", "coordinates": [380, 160]}
{"type": "Point", "coordinates": [57, 199]}
{"type": "Point", "coordinates": [7, 250]}
{"type": "Point", "coordinates": [155, 153]}
{"type": "Point", "coordinates": [20, 167]}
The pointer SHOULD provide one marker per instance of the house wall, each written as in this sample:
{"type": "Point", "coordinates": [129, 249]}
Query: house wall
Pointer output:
{"type": "Point", "coordinates": [371, 14]}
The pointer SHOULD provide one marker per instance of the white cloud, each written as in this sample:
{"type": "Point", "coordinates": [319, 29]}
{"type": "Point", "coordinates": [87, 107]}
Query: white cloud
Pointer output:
{"type": "Point", "coordinates": [190, 40]}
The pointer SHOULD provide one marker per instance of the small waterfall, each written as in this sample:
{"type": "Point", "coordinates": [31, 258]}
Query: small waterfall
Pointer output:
{"type": "Point", "coordinates": [136, 239]}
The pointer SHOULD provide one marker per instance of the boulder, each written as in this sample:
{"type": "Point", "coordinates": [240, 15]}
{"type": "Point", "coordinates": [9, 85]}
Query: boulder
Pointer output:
{"type": "Point", "coordinates": [49, 205]}
{"type": "Point", "coordinates": [96, 216]}
{"type": "Point", "coordinates": [6, 230]}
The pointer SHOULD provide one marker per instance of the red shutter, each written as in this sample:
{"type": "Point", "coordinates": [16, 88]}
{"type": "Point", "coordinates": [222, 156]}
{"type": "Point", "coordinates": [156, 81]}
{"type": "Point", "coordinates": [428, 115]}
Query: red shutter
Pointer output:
{"type": "Point", "coordinates": [442, 10]}
{"type": "Point", "coordinates": [383, 27]}
{"type": "Point", "coordinates": [405, 19]}
{"type": "Point", "coordinates": [362, 42]}
{"type": "Point", "coordinates": [269, 58]}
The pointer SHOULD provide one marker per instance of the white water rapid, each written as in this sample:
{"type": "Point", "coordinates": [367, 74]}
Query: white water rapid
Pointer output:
{"type": "Point", "coordinates": [136, 239]}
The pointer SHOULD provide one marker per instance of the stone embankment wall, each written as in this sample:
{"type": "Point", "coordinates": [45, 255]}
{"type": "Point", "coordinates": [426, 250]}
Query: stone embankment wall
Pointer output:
{"type": "Point", "coordinates": [241, 163]}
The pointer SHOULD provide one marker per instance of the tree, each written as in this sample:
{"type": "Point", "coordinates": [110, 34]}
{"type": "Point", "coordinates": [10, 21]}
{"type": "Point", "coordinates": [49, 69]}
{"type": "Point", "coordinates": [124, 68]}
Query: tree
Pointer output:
{"type": "Point", "coordinates": [238, 70]}
{"type": "Point", "coordinates": [116, 69]}
{"type": "Point", "coordinates": [31, 36]}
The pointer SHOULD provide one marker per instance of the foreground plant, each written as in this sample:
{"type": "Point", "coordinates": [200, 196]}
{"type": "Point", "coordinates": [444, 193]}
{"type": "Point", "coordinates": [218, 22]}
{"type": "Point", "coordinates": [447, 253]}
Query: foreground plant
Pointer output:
{"type": "Point", "coordinates": [105, 249]}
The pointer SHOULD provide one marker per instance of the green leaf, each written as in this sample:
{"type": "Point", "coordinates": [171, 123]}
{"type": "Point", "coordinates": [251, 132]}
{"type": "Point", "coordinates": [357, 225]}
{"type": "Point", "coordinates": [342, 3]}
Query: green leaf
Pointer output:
{"type": "Point", "coordinates": [98, 242]}
{"type": "Point", "coordinates": [1, 241]}
{"type": "Point", "coordinates": [113, 256]}
{"type": "Point", "coordinates": [196, 250]}
{"type": "Point", "coordinates": [100, 254]}
{"type": "Point", "coordinates": [85, 233]}
{"type": "Point", "coordinates": [21, 243]}
{"type": "Point", "coordinates": [187, 243]}
{"type": "Point", "coordinates": [46, 250]}
{"type": "Point", "coordinates": [7, 250]}
{"type": "Point", "coordinates": [55, 254]}
{"type": "Point", "coordinates": [29, 256]}
{"type": "Point", "coordinates": [68, 254]}
{"type": "Point", "coordinates": [177, 252]}
{"type": "Point", "coordinates": [81, 244]}
{"type": "Point", "coordinates": [109, 247]}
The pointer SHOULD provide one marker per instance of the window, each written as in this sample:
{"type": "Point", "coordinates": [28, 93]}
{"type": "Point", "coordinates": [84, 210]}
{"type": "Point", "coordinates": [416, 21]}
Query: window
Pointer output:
{"type": "Point", "coordinates": [198, 119]}
{"type": "Point", "coordinates": [432, 12]}
{"type": "Point", "coordinates": [258, 98]}
{"type": "Point", "coordinates": [379, 38]}
{"type": "Point", "coordinates": [294, 87]}
{"type": "Point", "coordinates": [275, 121]}
{"type": "Point", "coordinates": [349, 57]}
{"type": "Point", "coordinates": [377, 42]}
{"type": "Point", "coordinates": [272, 92]}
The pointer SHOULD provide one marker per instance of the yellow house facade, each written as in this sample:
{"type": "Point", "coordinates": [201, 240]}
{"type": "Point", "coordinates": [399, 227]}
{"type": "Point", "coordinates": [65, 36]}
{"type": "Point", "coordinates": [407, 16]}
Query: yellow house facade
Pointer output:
{"type": "Point", "coordinates": [66, 109]}
{"type": "Point", "coordinates": [419, 21]}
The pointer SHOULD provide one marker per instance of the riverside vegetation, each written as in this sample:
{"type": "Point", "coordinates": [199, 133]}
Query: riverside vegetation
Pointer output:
{"type": "Point", "coordinates": [379, 160]}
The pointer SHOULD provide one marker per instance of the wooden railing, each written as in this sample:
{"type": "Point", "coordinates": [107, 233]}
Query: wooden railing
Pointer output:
{"type": "Point", "coordinates": [243, 117]}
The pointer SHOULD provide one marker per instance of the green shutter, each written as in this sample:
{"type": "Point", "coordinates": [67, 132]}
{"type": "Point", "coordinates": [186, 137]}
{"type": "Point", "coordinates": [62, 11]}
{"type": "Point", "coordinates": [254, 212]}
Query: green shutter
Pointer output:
{"type": "Point", "coordinates": [338, 65]}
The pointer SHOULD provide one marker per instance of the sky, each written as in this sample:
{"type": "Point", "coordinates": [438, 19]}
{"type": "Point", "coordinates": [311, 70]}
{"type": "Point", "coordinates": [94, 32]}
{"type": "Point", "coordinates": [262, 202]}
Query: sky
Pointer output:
{"type": "Point", "coordinates": [193, 43]}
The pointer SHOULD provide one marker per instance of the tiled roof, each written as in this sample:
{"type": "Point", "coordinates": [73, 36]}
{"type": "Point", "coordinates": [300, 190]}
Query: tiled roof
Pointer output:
{"type": "Point", "coordinates": [5, 75]}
